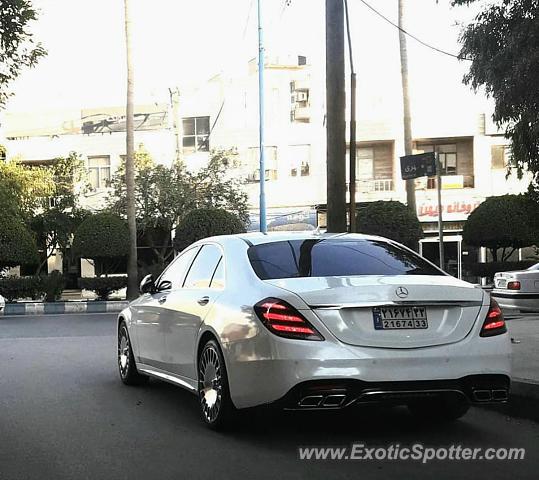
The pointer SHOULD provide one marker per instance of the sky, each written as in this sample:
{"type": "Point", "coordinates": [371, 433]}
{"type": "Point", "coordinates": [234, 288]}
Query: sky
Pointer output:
{"type": "Point", "coordinates": [184, 42]}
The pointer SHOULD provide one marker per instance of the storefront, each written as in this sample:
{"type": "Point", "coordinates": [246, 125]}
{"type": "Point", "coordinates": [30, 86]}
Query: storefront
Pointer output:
{"type": "Point", "coordinates": [457, 255]}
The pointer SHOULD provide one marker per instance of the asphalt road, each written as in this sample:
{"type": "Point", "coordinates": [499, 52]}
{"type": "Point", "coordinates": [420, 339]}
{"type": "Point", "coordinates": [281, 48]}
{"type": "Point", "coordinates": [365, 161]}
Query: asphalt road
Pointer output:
{"type": "Point", "coordinates": [64, 414]}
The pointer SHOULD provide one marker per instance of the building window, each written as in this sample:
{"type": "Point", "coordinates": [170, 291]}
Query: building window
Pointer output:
{"type": "Point", "coordinates": [270, 160]}
{"type": "Point", "coordinates": [364, 164]}
{"type": "Point", "coordinates": [501, 156]}
{"type": "Point", "coordinates": [447, 155]}
{"type": "Point", "coordinates": [196, 134]}
{"type": "Point", "coordinates": [99, 171]}
{"type": "Point", "coordinates": [300, 159]}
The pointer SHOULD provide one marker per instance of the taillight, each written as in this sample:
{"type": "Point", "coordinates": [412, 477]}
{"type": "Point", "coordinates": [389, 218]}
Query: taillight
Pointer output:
{"type": "Point", "coordinates": [515, 285]}
{"type": "Point", "coordinates": [282, 319]}
{"type": "Point", "coordinates": [494, 324]}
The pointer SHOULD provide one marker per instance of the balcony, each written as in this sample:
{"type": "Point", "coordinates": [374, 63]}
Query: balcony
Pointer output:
{"type": "Point", "coordinates": [373, 186]}
{"type": "Point", "coordinates": [449, 182]}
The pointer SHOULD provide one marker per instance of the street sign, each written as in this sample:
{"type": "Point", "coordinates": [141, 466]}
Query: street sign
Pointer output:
{"type": "Point", "coordinates": [420, 165]}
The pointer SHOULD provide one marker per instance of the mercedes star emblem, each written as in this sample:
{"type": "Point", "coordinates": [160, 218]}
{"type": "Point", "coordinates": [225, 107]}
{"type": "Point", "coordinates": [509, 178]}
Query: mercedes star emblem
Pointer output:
{"type": "Point", "coordinates": [402, 292]}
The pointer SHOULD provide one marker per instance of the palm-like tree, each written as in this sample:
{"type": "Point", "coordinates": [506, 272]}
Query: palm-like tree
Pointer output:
{"type": "Point", "coordinates": [410, 184]}
{"type": "Point", "coordinates": [132, 273]}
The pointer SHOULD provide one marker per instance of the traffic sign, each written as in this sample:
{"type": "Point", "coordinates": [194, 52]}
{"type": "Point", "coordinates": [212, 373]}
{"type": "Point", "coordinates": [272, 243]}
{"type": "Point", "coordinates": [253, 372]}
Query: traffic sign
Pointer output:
{"type": "Point", "coordinates": [420, 165]}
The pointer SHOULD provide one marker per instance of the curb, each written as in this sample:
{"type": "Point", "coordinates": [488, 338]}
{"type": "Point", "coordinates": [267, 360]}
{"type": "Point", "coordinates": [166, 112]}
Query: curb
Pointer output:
{"type": "Point", "coordinates": [55, 308]}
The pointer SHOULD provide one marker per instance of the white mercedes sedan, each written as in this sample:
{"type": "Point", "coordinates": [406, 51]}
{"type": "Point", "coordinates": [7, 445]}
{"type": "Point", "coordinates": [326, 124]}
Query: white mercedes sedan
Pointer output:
{"type": "Point", "coordinates": [304, 321]}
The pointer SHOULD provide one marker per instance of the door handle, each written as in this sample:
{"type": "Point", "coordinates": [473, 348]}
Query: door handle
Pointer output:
{"type": "Point", "coordinates": [203, 301]}
{"type": "Point", "coordinates": [163, 299]}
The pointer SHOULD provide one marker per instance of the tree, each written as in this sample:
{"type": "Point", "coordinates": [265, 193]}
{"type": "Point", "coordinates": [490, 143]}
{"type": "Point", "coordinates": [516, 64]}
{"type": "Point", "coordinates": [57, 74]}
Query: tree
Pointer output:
{"type": "Point", "coordinates": [132, 276]}
{"type": "Point", "coordinates": [392, 220]}
{"type": "Point", "coordinates": [104, 239]}
{"type": "Point", "coordinates": [503, 46]}
{"type": "Point", "coordinates": [17, 47]}
{"type": "Point", "coordinates": [206, 222]}
{"type": "Point", "coordinates": [407, 116]}
{"type": "Point", "coordinates": [24, 187]}
{"type": "Point", "coordinates": [507, 222]}
{"type": "Point", "coordinates": [60, 213]}
{"type": "Point", "coordinates": [17, 246]}
{"type": "Point", "coordinates": [165, 195]}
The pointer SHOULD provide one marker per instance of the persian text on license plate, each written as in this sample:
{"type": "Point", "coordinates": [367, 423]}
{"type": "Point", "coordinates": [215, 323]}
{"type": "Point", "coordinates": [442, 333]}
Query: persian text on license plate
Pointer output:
{"type": "Point", "coordinates": [398, 318]}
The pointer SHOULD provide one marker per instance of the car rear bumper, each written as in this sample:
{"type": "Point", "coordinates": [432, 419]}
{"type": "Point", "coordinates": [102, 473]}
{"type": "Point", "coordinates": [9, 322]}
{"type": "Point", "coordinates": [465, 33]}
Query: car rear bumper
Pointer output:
{"type": "Point", "coordinates": [257, 378]}
{"type": "Point", "coordinates": [516, 300]}
{"type": "Point", "coordinates": [332, 395]}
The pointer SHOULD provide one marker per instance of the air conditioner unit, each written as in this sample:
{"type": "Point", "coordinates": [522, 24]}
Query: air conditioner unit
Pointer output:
{"type": "Point", "coordinates": [302, 96]}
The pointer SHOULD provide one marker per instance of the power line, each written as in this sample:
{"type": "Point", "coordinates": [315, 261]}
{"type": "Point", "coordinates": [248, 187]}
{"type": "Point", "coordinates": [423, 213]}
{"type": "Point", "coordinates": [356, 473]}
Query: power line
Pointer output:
{"type": "Point", "coordinates": [247, 20]}
{"type": "Point", "coordinates": [436, 49]}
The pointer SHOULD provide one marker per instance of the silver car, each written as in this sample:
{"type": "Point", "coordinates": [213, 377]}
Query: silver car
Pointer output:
{"type": "Point", "coordinates": [518, 290]}
{"type": "Point", "coordinates": [305, 321]}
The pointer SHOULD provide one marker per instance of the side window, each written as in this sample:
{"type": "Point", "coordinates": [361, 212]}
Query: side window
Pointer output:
{"type": "Point", "coordinates": [176, 271]}
{"type": "Point", "coordinates": [201, 271]}
{"type": "Point", "coordinates": [218, 280]}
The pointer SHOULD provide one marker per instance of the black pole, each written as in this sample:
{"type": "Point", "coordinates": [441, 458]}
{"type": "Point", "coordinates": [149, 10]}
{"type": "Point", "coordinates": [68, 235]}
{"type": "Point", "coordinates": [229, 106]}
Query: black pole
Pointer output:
{"type": "Point", "coordinates": [336, 122]}
{"type": "Point", "coordinates": [352, 147]}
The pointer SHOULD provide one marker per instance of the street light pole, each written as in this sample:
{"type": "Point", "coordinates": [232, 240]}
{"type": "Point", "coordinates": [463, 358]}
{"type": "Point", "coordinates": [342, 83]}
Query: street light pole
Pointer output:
{"type": "Point", "coordinates": [262, 163]}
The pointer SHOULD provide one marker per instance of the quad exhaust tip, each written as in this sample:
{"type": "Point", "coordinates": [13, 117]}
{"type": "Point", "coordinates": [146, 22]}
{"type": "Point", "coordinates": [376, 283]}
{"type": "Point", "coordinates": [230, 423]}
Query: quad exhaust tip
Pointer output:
{"type": "Point", "coordinates": [322, 401]}
{"type": "Point", "coordinates": [498, 395]}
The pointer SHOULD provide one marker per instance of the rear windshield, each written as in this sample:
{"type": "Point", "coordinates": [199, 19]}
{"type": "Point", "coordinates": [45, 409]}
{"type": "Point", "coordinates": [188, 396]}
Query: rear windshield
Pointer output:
{"type": "Point", "coordinates": [335, 257]}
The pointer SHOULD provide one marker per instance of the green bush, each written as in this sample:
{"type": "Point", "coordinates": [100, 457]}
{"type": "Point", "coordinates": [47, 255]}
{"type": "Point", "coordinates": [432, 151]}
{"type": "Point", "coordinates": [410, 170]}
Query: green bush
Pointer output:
{"type": "Point", "coordinates": [390, 219]}
{"type": "Point", "coordinates": [103, 286]}
{"type": "Point", "coordinates": [53, 285]}
{"type": "Point", "coordinates": [206, 222]}
{"type": "Point", "coordinates": [506, 222]}
{"type": "Point", "coordinates": [489, 269]}
{"type": "Point", "coordinates": [17, 246]}
{"type": "Point", "coordinates": [13, 288]}
{"type": "Point", "coordinates": [103, 238]}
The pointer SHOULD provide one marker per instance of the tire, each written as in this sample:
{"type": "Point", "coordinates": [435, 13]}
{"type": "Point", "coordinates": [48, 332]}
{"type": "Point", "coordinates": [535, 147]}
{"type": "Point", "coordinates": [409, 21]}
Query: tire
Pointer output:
{"type": "Point", "coordinates": [445, 409]}
{"type": "Point", "coordinates": [126, 360]}
{"type": "Point", "coordinates": [216, 407]}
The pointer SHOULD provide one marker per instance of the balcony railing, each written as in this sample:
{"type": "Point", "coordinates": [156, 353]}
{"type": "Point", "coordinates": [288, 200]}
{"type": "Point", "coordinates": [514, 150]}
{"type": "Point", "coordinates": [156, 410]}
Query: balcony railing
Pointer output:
{"type": "Point", "coordinates": [371, 186]}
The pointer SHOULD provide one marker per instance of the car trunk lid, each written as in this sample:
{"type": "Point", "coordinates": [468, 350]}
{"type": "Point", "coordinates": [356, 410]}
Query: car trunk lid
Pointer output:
{"type": "Point", "coordinates": [352, 307]}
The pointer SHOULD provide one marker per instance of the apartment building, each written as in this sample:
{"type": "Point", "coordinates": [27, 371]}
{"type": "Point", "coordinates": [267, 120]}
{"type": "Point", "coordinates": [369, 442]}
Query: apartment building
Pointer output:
{"type": "Point", "coordinates": [223, 113]}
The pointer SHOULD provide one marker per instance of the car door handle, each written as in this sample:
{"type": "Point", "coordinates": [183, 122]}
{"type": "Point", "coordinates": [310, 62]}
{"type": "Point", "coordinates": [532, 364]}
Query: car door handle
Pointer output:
{"type": "Point", "coordinates": [203, 301]}
{"type": "Point", "coordinates": [163, 299]}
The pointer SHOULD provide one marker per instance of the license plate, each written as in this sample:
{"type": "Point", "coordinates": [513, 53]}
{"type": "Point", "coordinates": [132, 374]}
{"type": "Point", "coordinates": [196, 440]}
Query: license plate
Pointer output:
{"type": "Point", "coordinates": [400, 318]}
{"type": "Point", "coordinates": [502, 283]}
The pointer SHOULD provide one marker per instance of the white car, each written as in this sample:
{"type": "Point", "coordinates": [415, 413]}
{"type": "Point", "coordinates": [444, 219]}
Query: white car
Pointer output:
{"type": "Point", "coordinates": [306, 321]}
{"type": "Point", "coordinates": [518, 290]}
{"type": "Point", "coordinates": [2, 304]}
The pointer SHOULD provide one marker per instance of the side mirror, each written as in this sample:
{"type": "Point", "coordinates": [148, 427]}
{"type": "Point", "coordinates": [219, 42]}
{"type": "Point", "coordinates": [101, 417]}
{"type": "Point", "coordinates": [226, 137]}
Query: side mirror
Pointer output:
{"type": "Point", "coordinates": [147, 285]}
{"type": "Point", "coordinates": [164, 285]}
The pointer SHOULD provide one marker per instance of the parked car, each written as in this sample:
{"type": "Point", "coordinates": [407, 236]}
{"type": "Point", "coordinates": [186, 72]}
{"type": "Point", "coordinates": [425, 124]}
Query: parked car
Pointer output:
{"type": "Point", "coordinates": [305, 321]}
{"type": "Point", "coordinates": [518, 290]}
{"type": "Point", "coordinates": [2, 304]}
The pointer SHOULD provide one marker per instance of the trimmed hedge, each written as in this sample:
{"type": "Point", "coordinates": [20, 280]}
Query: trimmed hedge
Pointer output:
{"type": "Point", "coordinates": [103, 286]}
{"type": "Point", "coordinates": [36, 287]}
{"type": "Point", "coordinates": [206, 222]}
{"type": "Point", "coordinates": [390, 219]}
{"type": "Point", "coordinates": [103, 238]}
{"type": "Point", "coordinates": [489, 269]}
{"type": "Point", "coordinates": [17, 246]}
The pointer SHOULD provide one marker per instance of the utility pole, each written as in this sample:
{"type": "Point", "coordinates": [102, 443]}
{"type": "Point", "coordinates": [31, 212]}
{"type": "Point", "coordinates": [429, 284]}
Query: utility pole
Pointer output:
{"type": "Point", "coordinates": [132, 270]}
{"type": "Point", "coordinates": [177, 123]}
{"type": "Point", "coordinates": [335, 118]}
{"type": "Point", "coordinates": [440, 212]}
{"type": "Point", "coordinates": [410, 184]}
{"type": "Point", "coordinates": [262, 163]}
{"type": "Point", "coordinates": [352, 148]}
